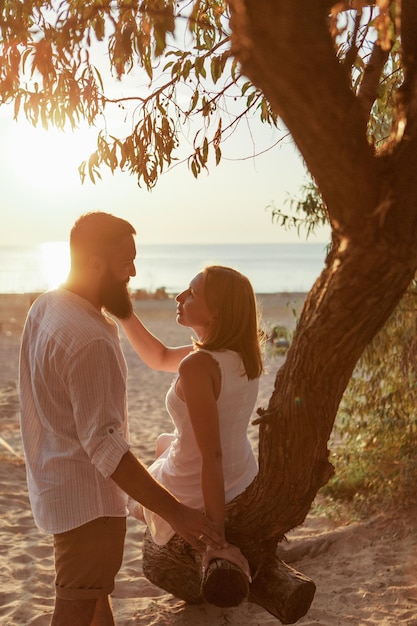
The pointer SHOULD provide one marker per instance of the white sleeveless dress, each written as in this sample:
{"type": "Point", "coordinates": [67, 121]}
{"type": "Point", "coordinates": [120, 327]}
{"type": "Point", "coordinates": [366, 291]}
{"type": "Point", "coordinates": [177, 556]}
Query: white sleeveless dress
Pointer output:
{"type": "Point", "coordinates": [179, 467]}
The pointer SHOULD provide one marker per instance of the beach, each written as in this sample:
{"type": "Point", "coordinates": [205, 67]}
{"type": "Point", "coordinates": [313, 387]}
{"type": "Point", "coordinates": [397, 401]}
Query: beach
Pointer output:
{"type": "Point", "coordinates": [365, 572]}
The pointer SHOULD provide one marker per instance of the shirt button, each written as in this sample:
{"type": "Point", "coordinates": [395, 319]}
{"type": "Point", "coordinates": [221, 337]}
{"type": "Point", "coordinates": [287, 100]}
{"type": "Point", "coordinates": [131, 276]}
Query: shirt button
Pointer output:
{"type": "Point", "coordinates": [111, 431]}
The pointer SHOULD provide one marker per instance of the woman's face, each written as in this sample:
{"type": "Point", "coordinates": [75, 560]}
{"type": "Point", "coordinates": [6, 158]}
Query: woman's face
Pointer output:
{"type": "Point", "coordinates": [192, 309]}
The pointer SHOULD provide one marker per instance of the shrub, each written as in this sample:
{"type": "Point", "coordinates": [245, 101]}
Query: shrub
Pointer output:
{"type": "Point", "coordinates": [374, 441]}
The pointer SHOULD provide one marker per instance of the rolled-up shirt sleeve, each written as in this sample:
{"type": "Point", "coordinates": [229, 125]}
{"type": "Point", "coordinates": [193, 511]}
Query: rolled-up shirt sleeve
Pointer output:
{"type": "Point", "coordinates": [97, 387]}
{"type": "Point", "coordinates": [110, 452]}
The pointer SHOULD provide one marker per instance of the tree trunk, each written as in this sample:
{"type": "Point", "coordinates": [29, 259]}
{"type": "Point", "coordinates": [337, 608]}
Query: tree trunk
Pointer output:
{"type": "Point", "coordinates": [279, 588]}
{"type": "Point", "coordinates": [284, 47]}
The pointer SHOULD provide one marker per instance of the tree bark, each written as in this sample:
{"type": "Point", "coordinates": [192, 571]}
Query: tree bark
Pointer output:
{"type": "Point", "coordinates": [279, 588]}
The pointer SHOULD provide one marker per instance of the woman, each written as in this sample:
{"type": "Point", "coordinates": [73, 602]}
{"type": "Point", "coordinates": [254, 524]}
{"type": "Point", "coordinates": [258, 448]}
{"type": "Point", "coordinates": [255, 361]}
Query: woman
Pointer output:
{"type": "Point", "coordinates": [208, 460]}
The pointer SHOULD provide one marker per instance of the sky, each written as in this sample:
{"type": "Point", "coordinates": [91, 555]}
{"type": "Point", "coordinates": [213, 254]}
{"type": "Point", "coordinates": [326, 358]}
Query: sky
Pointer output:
{"type": "Point", "coordinates": [42, 194]}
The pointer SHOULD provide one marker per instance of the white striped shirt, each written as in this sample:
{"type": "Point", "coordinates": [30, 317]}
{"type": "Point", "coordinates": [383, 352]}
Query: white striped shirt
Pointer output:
{"type": "Point", "coordinates": [73, 411]}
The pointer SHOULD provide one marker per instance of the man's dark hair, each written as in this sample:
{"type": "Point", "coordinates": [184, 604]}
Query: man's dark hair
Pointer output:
{"type": "Point", "coordinates": [97, 233]}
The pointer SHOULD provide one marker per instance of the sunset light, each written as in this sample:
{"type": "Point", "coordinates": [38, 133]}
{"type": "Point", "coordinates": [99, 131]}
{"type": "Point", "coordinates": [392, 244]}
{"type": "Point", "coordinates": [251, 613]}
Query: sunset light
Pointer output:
{"type": "Point", "coordinates": [48, 160]}
{"type": "Point", "coordinates": [55, 263]}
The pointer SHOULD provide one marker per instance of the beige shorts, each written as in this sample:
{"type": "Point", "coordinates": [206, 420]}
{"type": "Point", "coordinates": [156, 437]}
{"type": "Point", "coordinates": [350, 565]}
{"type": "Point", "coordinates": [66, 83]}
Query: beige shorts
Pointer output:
{"type": "Point", "coordinates": [88, 558]}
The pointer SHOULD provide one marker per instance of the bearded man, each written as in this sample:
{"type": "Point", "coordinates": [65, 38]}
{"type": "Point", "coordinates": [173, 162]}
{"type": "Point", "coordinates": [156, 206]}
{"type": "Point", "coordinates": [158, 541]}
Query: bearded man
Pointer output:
{"type": "Point", "coordinates": [74, 425]}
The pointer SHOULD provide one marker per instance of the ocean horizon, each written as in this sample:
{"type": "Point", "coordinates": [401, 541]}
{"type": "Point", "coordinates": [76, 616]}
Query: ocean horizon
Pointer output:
{"type": "Point", "coordinates": [271, 268]}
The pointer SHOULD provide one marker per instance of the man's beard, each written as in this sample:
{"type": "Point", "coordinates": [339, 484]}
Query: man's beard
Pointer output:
{"type": "Point", "coordinates": [114, 297]}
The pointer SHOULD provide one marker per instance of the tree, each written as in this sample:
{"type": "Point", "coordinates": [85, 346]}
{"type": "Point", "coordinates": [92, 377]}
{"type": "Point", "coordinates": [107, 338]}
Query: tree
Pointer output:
{"type": "Point", "coordinates": [288, 49]}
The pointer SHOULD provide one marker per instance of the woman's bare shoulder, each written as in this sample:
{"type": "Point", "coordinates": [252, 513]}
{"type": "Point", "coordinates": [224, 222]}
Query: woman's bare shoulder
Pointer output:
{"type": "Point", "coordinates": [198, 359]}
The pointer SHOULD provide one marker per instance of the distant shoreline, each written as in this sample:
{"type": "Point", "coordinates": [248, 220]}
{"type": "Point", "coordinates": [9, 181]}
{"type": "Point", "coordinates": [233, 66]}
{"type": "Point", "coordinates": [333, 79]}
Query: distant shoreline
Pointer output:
{"type": "Point", "coordinates": [275, 308]}
{"type": "Point", "coordinates": [170, 294]}
{"type": "Point", "coordinates": [271, 268]}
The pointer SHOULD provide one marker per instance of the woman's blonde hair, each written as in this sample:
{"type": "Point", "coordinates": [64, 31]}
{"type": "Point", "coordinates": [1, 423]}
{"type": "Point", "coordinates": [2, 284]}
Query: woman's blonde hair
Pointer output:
{"type": "Point", "coordinates": [235, 326]}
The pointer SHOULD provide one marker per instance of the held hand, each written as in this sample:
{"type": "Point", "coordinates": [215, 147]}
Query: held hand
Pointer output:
{"type": "Point", "coordinates": [229, 553]}
{"type": "Point", "coordinates": [196, 528]}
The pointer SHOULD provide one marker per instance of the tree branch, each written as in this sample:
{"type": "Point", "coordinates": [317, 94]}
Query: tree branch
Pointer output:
{"type": "Point", "coordinates": [370, 81]}
{"type": "Point", "coordinates": [353, 50]}
{"type": "Point", "coordinates": [328, 123]}
{"type": "Point", "coordinates": [409, 51]}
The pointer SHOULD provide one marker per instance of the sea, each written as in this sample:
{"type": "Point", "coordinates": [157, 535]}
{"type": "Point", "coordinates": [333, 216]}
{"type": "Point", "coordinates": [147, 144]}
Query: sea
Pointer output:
{"type": "Point", "coordinates": [271, 267]}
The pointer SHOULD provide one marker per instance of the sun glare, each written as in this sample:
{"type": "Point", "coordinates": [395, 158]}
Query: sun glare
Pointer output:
{"type": "Point", "coordinates": [48, 159]}
{"type": "Point", "coordinates": [55, 262]}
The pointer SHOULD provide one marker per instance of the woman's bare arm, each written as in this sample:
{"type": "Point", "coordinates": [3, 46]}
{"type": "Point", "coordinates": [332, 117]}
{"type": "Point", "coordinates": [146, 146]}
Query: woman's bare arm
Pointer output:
{"type": "Point", "coordinates": [196, 384]}
{"type": "Point", "coordinates": [152, 350]}
{"type": "Point", "coordinates": [198, 381]}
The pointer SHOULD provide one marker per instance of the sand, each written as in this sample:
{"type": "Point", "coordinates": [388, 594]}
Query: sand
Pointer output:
{"type": "Point", "coordinates": [365, 572]}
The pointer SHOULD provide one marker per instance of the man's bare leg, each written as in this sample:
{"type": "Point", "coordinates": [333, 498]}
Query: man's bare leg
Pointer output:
{"type": "Point", "coordinates": [71, 612]}
{"type": "Point", "coordinates": [103, 615]}
{"type": "Point", "coordinates": [83, 612]}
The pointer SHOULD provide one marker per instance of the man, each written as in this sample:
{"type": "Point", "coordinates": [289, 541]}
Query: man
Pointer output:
{"type": "Point", "coordinates": [74, 425]}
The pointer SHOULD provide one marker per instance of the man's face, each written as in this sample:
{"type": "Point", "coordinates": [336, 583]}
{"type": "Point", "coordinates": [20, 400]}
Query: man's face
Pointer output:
{"type": "Point", "coordinates": [113, 293]}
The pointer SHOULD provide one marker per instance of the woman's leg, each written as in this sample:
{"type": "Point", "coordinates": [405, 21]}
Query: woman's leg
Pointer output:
{"type": "Point", "coordinates": [162, 443]}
